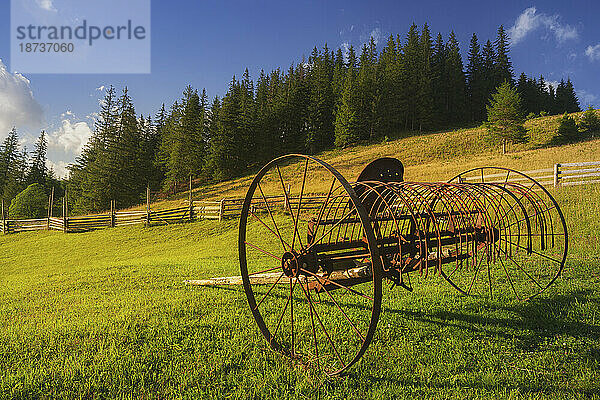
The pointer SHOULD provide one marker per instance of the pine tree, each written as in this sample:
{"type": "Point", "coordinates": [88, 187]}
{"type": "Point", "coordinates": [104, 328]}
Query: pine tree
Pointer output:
{"type": "Point", "coordinates": [505, 118]}
{"type": "Point", "coordinates": [424, 99]}
{"type": "Point", "coordinates": [457, 91]}
{"type": "Point", "coordinates": [439, 81]}
{"type": "Point", "coordinates": [8, 156]}
{"type": "Point", "coordinates": [589, 123]}
{"type": "Point", "coordinates": [476, 86]}
{"type": "Point", "coordinates": [366, 88]}
{"type": "Point", "coordinates": [489, 72]}
{"type": "Point", "coordinates": [38, 172]}
{"type": "Point", "coordinates": [321, 107]}
{"type": "Point", "coordinates": [411, 79]}
{"type": "Point", "coordinates": [346, 119]}
{"type": "Point", "coordinates": [388, 112]}
{"type": "Point", "coordinates": [503, 65]}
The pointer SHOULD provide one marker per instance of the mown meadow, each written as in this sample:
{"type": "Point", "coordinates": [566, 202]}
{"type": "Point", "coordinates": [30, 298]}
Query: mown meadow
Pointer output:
{"type": "Point", "coordinates": [106, 314]}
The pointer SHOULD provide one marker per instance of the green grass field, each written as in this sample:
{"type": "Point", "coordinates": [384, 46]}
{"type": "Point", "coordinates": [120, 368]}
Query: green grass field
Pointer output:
{"type": "Point", "coordinates": [105, 314]}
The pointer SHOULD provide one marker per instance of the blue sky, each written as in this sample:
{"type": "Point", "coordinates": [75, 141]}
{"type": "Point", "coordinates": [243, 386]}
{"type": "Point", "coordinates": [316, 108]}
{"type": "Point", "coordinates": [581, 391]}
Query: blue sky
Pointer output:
{"type": "Point", "coordinates": [205, 43]}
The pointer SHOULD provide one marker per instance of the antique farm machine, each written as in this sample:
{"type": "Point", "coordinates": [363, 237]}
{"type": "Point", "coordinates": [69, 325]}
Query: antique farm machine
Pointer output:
{"type": "Point", "coordinates": [314, 249]}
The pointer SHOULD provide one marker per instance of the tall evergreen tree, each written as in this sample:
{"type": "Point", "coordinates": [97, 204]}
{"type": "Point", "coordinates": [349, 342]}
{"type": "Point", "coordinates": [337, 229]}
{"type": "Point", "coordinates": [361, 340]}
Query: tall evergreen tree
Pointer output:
{"type": "Point", "coordinates": [456, 100]}
{"type": "Point", "coordinates": [424, 99]}
{"type": "Point", "coordinates": [321, 106]}
{"type": "Point", "coordinates": [476, 86]}
{"type": "Point", "coordinates": [38, 172]}
{"type": "Point", "coordinates": [346, 120]}
{"type": "Point", "coordinates": [505, 116]}
{"type": "Point", "coordinates": [503, 65]}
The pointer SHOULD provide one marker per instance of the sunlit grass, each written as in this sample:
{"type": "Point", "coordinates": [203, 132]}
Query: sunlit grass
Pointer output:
{"type": "Point", "coordinates": [105, 315]}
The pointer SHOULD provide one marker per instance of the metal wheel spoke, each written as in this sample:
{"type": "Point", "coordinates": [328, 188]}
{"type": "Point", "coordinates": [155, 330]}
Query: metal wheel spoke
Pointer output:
{"type": "Point", "coordinates": [521, 268]}
{"type": "Point", "coordinates": [299, 207]}
{"type": "Point", "coordinates": [342, 311]}
{"type": "Point", "coordinates": [262, 250]}
{"type": "Point", "coordinates": [287, 200]}
{"type": "Point", "coordinates": [269, 291]}
{"type": "Point", "coordinates": [287, 303]}
{"type": "Point", "coordinates": [283, 243]}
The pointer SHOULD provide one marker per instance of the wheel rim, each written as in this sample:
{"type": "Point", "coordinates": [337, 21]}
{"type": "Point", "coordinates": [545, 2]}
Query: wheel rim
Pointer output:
{"type": "Point", "coordinates": [531, 251]}
{"type": "Point", "coordinates": [326, 324]}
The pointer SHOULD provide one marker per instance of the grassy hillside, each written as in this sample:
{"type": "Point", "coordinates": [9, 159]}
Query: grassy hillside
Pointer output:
{"type": "Point", "coordinates": [434, 157]}
{"type": "Point", "coordinates": [105, 314]}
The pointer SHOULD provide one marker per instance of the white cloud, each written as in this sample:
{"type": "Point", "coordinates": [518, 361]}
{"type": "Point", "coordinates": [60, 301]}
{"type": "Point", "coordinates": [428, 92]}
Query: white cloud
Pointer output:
{"type": "Point", "coordinates": [59, 168]}
{"type": "Point", "coordinates": [376, 35]}
{"type": "Point", "coordinates": [530, 20]}
{"type": "Point", "coordinates": [554, 84]}
{"type": "Point", "coordinates": [593, 52]}
{"type": "Point", "coordinates": [46, 5]}
{"type": "Point", "coordinates": [100, 88]}
{"type": "Point", "coordinates": [18, 107]}
{"type": "Point", "coordinates": [70, 137]}
{"type": "Point", "coordinates": [345, 46]}
{"type": "Point", "coordinates": [586, 98]}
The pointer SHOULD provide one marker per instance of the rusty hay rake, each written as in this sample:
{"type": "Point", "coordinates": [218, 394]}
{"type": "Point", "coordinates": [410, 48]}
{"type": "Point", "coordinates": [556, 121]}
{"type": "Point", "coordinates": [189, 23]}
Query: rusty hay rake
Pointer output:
{"type": "Point", "coordinates": [312, 266]}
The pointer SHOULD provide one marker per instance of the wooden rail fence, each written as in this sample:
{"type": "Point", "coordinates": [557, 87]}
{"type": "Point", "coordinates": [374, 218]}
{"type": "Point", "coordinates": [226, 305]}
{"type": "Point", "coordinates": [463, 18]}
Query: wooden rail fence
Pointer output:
{"type": "Point", "coordinates": [563, 174]}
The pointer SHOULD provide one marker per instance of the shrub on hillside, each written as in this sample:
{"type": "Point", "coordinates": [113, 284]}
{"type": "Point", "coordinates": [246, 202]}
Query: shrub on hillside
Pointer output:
{"type": "Point", "coordinates": [531, 115]}
{"type": "Point", "coordinates": [30, 203]}
{"type": "Point", "coordinates": [589, 123]}
{"type": "Point", "coordinates": [567, 130]}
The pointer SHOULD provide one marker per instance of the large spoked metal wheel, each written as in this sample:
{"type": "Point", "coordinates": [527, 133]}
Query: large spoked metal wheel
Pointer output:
{"type": "Point", "coordinates": [309, 263]}
{"type": "Point", "coordinates": [528, 250]}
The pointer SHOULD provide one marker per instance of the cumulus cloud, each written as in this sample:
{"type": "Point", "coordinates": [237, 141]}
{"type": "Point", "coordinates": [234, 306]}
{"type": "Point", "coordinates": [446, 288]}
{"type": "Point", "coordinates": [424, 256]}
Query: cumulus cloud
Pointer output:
{"type": "Point", "coordinates": [553, 84]}
{"type": "Point", "coordinates": [70, 137]}
{"type": "Point", "coordinates": [530, 20]}
{"type": "Point", "coordinates": [60, 168]}
{"type": "Point", "coordinates": [376, 35]}
{"type": "Point", "coordinates": [46, 5]}
{"type": "Point", "coordinates": [18, 107]}
{"type": "Point", "coordinates": [593, 52]}
{"type": "Point", "coordinates": [345, 46]}
{"type": "Point", "coordinates": [586, 98]}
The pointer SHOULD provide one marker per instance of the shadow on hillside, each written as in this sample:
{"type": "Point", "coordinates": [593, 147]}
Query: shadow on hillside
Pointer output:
{"type": "Point", "coordinates": [534, 321]}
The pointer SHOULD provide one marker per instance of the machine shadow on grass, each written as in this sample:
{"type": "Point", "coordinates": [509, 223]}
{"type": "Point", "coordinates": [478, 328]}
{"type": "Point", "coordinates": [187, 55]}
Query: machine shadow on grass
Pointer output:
{"type": "Point", "coordinates": [534, 320]}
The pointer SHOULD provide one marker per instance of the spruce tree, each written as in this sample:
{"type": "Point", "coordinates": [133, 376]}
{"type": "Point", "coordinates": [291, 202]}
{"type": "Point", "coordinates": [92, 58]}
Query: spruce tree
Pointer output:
{"type": "Point", "coordinates": [346, 119]}
{"type": "Point", "coordinates": [321, 106]}
{"type": "Point", "coordinates": [505, 117]}
{"type": "Point", "coordinates": [388, 116]}
{"type": "Point", "coordinates": [503, 65]}
{"type": "Point", "coordinates": [457, 91]}
{"type": "Point", "coordinates": [38, 172]}
{"type": "Point", "coordinates": [424, 99]}
{"type": "Point", "coordinates": [439, 81]}
{"type": "Point", "coordinates": [411, 81]}
{"type": "Point", "coordinates": [476, 87]}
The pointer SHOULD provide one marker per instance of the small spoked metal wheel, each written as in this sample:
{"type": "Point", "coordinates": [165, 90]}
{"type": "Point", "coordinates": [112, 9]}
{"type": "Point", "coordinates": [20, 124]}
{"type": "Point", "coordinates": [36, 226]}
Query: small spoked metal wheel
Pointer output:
{"type": "Point", "coordinates": [529, 241]}
{"type": "Point", "coordinates": [309, 263]}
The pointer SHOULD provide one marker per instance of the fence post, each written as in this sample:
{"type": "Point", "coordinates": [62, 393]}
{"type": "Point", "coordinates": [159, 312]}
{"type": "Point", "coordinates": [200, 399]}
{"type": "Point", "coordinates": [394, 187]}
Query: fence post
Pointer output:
{"type": "Point", "coordinates": [64, 214]}
{"type": "Point", "coordinates": [556, 175]}
{"type": "Point", "coordinates": [3, 218]}
{"type": "Point", "coordinates": [221, 209]}
{"type": "Point", "coordinates": [191, 201]}
{"type": "Point", "coordinates": [50, 205]}
{"type": "Point", "coordinates": [112, 214]}
{"type": "Point", "coordinates": [286, 197]}
{"type": "Point", "coordinates": [148, 205]}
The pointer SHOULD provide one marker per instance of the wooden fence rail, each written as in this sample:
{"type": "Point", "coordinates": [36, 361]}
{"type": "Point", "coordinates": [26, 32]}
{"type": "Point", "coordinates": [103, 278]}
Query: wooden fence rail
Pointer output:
{"type": "Point", "coordinates": [563, 174]}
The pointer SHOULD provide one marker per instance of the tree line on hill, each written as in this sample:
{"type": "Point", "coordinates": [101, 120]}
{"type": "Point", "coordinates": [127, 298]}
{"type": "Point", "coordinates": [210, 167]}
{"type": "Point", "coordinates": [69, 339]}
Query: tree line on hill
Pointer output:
{"type": "Point", "coordinates": [20, 169]}
{"type": "Point", "coordinates": [415, 83]}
